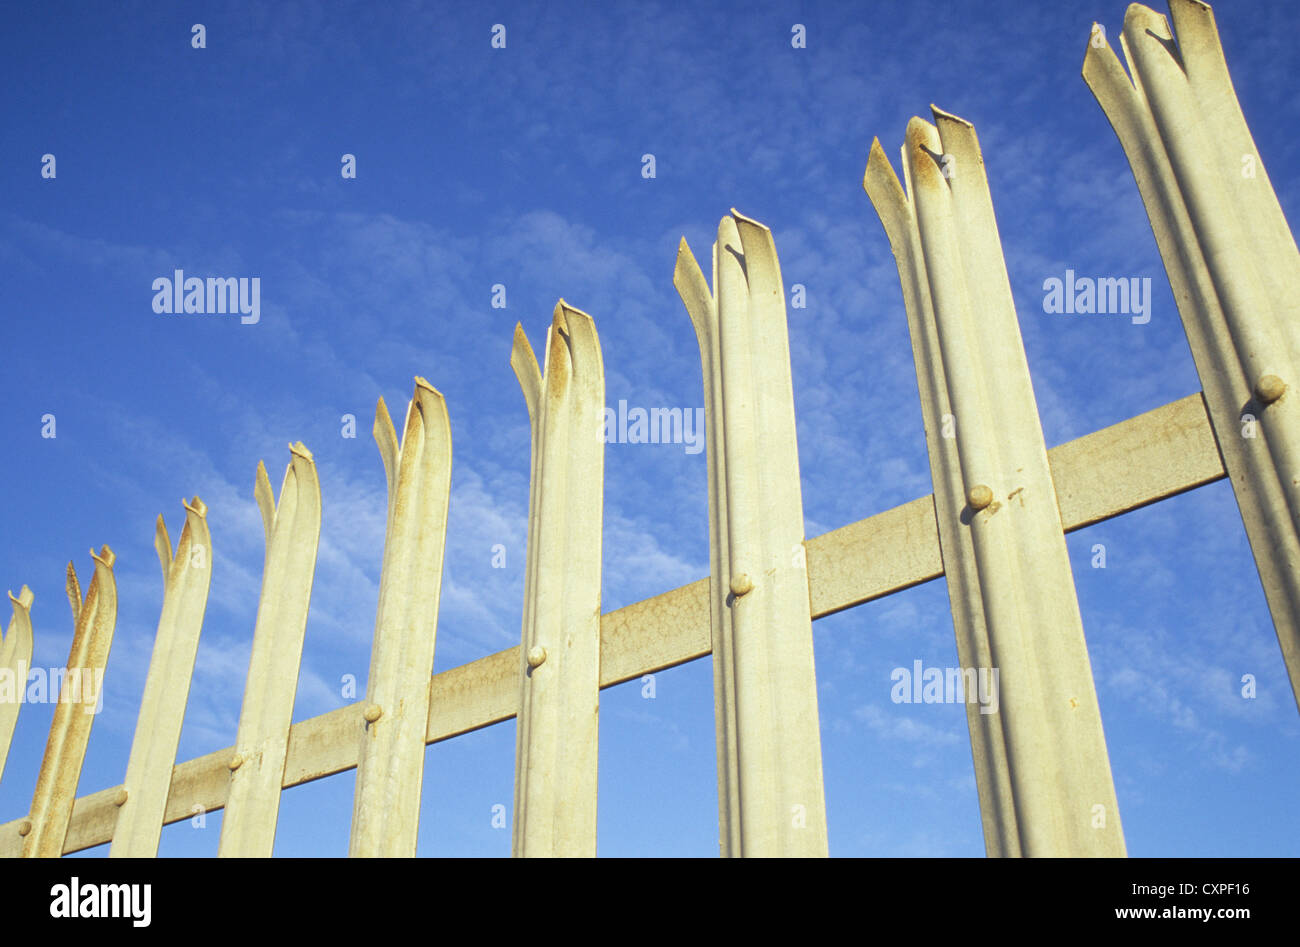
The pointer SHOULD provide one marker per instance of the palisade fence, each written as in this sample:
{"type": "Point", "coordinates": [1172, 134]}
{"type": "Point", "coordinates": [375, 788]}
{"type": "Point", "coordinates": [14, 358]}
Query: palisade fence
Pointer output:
{"type": "Point", "coordinates": [994, 526]}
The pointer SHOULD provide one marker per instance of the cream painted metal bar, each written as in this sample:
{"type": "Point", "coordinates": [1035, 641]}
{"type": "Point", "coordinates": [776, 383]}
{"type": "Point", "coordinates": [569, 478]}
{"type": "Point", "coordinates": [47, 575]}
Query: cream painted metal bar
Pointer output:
{"type": "Point", "coordinates": [988, 746]}
{"type": "Point", "coordinates": [1151, 457]}
{"type": "Point", "coordinates": [257, 765]}
{"type": "Point", "coordinates": [142, 802]}
{"type": "Point", "coordinates": [560, 658]}
{"type": "Point", "coordinates": [769, 742]}
{"type": "Point", "coordinates": [390, 771]}
{"type": "Point", "coordinates": [1232, 264]}
{"type": "Point", "coordinates": [703, 310]}
{"type": "Point", "coordinates": [15, 659]}
{"type": "Point", "coordinates": [1044, 775]}
{"type": "Point", "coordinates": [46, 827]}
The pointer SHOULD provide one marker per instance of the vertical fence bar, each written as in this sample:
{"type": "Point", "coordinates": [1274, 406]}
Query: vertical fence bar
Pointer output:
{"type": "Point", "coordinates": [558, 722]}
{"type": "Point", "coordinates": [186, 577]}
{"type": "Point", "coordinates": [1011, 587]}
{"type": "Point", "coordinates": [56, 785]}
{"type": "Point", "coordinates": [15, 659]}
{"type": "Point", "coordinates": [770, 792]}
{"type": "Point", "coordinates": [1232, 264]}
{"type": "Point", "coordinates": [703, 310]}
{"type": "Point", "coordinates": [390, 769]}
{"type": "Point", "coordinates": [988, 748]}
{"type": "Point", "coordinates": [257, 768]}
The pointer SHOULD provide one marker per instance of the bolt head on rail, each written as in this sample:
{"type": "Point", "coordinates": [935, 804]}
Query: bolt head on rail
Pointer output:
{"type": "Point", "coordinates": [1269, 388]}
{"type": "Point", "coordinates": [741, 585]}
{"type": "Point", "coordinates": [980, 497]}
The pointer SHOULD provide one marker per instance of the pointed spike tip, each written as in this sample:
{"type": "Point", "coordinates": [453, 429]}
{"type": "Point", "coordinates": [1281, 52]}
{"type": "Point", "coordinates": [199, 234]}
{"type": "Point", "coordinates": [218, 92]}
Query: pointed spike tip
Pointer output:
{"type": "Point", "coordinates": [558, 315]}
{"type": "Point", "coordinates": [940, 114]}
{"type": "Point", "coordinates": [737, 215]}
{"type": "Point", "coordinates": [875, 155]}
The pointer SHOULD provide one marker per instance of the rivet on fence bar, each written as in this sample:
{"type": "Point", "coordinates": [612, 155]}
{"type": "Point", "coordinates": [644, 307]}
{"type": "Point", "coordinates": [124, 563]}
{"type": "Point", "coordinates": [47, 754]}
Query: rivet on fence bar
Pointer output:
{"type": "Point", "coordinates": [15, 659]}
{"type": "Point", "coordinates": [1232, 265]}
{"type": "Point", "coordinates": [390, 772]}
{"type": "Point", "coordinates": [1269, 388]}
{"type": "Point", "coordinates": [1041, 765]}
{"type": "Point", "coordinates": [558, 724]}
{"type": "Point", "coordinates": [186, 577]}
{"type": "Point", "coordinates": [292, 533]}
{"type": "Point", "coordinates": [56, 785]}
{"type": "Point", "coordinates": [770, 794]}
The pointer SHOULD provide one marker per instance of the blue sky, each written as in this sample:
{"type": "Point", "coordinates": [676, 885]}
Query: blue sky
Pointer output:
{"type": "Point", "coordinates": [522, 166]}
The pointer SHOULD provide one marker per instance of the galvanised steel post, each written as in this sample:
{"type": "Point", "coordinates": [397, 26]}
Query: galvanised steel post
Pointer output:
{"type": "Point", "coordinates": [15, 659]}
{"type": "Point", "coordinates": [1232, 265]}
{"type": "Point", "coordinates": [46, 825]}
{"type": "Point", "coordinates": [390, 768]}
{"type": "Point", "coordinates": [770, 796]}
{"type": "Point", "coordinates": [142, 801]}
{"type": "Point", "coordinates": [257, 768]}
{"type": "Point", "coordinates": [559, 669]}
{"type": "Point", "coordinates": [1040, 758]}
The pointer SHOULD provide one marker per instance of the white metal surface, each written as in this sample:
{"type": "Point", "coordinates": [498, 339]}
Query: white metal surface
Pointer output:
{"type": "Point", "coordinates": [186, 578]}
{"type": "Point", "coordinates": [15, 659]}
{"type": "Point", "coordinates": [257, 765]}
{"type": "Point", "coordinates": [390, 771]}
{"type": "Point", "coordinates": [1232, 264]}
{"type": "Point", "coordinates": [45, 829]}
{"type": "Point", "coordinates": [770, 794]}
{"type": "Point", "coordinates": [1041, 764]}
{"type": "Point", "coordinates": [559, 668]}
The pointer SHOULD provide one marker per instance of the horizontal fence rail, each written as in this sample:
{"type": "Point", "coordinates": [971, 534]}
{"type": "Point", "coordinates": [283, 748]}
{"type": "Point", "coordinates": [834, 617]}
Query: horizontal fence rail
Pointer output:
{"type": "Point", "coordinates": [1147, 458]}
